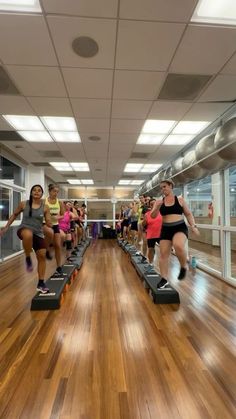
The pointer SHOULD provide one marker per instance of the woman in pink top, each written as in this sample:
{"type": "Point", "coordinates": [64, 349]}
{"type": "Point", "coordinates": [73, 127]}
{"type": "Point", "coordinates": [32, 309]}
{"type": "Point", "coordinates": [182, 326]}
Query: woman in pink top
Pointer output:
{"type": "Point", "coordinates": [153, 228]}
{"type": "Point", "coordinates": [64, 224]}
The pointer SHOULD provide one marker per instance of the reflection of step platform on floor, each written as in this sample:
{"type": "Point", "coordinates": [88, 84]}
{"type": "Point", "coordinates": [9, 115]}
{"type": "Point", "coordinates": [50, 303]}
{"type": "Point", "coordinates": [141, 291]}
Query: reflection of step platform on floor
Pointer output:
{"type": "Point", "coordinates": [167, 295]}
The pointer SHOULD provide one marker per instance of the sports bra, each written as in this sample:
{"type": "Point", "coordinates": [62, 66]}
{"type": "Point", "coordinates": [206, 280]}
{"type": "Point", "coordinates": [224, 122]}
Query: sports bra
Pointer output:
{"type": "Point", "coordinates": [172, 209]}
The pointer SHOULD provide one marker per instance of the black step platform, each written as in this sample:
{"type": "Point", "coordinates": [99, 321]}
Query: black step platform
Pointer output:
{"type": "Point", "coordinates": [166, 295]}
{"type": "Point", "coordinates": [57, 284]}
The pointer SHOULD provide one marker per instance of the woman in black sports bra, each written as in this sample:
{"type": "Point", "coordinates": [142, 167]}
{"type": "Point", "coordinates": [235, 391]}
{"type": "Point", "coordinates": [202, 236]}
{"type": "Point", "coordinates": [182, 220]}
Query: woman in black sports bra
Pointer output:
{"type": "Point", "coordinates": [174, 230]}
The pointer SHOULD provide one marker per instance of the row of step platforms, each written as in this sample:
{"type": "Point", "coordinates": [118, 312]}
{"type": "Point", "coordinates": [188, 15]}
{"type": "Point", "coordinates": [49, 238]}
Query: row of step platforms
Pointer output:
{"type": "Point", "coordinates": [59, 284]}
{"type": "Point", "coordinates": [150, 277]}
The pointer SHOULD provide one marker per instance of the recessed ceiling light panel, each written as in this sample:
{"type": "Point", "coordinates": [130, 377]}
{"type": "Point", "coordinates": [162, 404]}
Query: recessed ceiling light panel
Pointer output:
{"type": "Point", "coordinates": [58, 123]}
{"type": "Point", "coordinates": [157, 126]}
{"type": "Point", "coordinates": [150, 139]}
{"type": "Point", "coordinates": [222, 12]}
{"type": "Point", "coordinates": [32, 6]}
{"type": "Point", "coordinates": [24, 122]}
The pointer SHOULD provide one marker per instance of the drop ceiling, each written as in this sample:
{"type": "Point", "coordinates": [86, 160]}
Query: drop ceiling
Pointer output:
{"type": "Point", "coordinates": [142, 45]}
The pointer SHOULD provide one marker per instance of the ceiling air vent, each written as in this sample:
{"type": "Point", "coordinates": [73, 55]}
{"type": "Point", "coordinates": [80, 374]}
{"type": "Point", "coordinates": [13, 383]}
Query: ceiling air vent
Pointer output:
{"type": "Point", "coordinates": [85, 46]}
{"type": "Point", "coordinates": [41, 164]}
{"type": "Point", "coordinates": [183, 86]}
{"type": "Point", "coordinates": [51, 154]}
{"type": "Point", "coordinates": [10, 136]}
{"type": "Point", "coordinates": [139, 155]}
{"type": "Point", "coordinates": [6, 85]}
{"type": "Point", "coordinates": [94, 138]}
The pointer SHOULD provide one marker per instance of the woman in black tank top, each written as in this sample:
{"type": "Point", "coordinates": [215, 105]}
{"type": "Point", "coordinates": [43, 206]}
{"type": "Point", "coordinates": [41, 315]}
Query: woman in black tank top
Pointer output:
{"type": "Point", "coordinates": [174, 231]}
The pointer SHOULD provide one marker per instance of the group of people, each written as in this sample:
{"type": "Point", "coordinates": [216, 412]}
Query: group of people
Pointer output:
{"type": "Point", "coordinates": [160, 221]}
{"type": "Point", "coordinates": [45, 223]}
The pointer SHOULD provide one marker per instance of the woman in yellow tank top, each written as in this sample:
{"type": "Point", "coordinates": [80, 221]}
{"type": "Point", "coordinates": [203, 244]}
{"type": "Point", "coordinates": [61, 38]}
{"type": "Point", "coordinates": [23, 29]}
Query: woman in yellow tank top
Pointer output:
{"type": "Point", "coordinates": [52, 235]}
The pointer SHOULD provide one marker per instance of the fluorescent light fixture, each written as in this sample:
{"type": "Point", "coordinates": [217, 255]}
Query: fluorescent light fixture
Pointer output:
{"type": "Point", "coordinates": [215, 11]}
{"type": "Point", "coordinates": [178, 139]}
{"type": "Point", "coordinates": [74, 181]}
{"type": "Point", "coordinates": [24, 122]}
{"type": "Point", "coordinates": [124, 182]}
{"type": "Point", "coordinates": [150, 168]}
{"type": "Point", "coordinates": [87, 181]}
{"type": "Point", "coordinates": [58, 123]}
{"type": "Point", "coordinates": [133, 167]}
{"type": "Point", "coordinates": [136, 182]}
{"type": "Point", "coordinates": [190, 127]}
{"type": "Point", "coordinates": [66, 136]}
{"type": "Point", "coordinates": [150, 139]}
{"type": "Point", "coordinates": [80, 167]}
{"type": "Point", "coordinates": [157, 126]}
{"type": "Point", "coordinates": [36, 136]}
{"type": "Point", "coordinates": [61, 166]}
{"type": "Point", "coordinates": [20, 6]}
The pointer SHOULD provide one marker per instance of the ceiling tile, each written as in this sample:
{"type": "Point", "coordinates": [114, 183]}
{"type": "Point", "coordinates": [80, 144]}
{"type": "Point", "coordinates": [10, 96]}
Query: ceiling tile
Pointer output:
{"type": "Point", "coordinates": [161, 10]}
{"type": "Point", "coordinates": [168, 110]}
{"type": "Point", "coordinates": [51, 106]}
{"type": "Point", "coordinates": [93, 125]}
{"type": "Point", "coordinates": [206, 111]}
{"type": "Point", "coordinates": [152, 44]}
{"type": "Point", "coordinates": [65, 29]}
{"type": "Point", "coordinates": [38, 81]}
{"type": "Point", "coordinates": [88, 83]}
{"type": "Point", "coordinates": [126, 126]}
{"type": "Point", "coordinates": [130, 109]}
{"type": "Point", "coordinates": [230, 67]}
{"type": "Point", "coordinates": [101, 8]}
{"type": "Point", "coordinates": [24, 39]}
{"type": "Point", "coordinates": [204, 49]}
{"type": "Point", "coordinates": [222, 88]}
{"type": "Point", "coordinates": [164, 153]}
{"type": "Point", "coordinates": [14, 105]}
{"type": "Point", "coordinates": [141, 85]}
{"type": "Point", "coordinates": [91, 108]}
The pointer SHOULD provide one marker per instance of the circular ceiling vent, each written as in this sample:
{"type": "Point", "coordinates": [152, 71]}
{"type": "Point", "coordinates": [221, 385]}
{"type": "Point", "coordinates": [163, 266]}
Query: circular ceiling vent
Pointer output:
{"type": "Point", "coordinates": [85, 47]}
{"type": "Point", "coordinates": [94, 138]}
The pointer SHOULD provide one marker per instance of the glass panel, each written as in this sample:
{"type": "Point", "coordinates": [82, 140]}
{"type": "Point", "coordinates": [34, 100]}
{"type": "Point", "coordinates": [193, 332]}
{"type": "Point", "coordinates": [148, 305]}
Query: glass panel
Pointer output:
{"type": "Point", "coordinates": [232, 194]}
{"type": "Point", "coordinates": [233, 254]}
{"type": "Point", "coordinates": [124, 193]}
{"type": "Point", "coordinates": [206, 248]}
{"type": "Point", "coordinates": [16, 201]}
{"type": "Point", "coordinates": [99, 210]}
{"type": "Point", "coordinates": [11, 172]}
{"type": "Point", "coordinates": [203, 198]}
{"type": "Point", "coordinates": [10, 242]}
{"type": "Point", "coordinates": [5, 194]}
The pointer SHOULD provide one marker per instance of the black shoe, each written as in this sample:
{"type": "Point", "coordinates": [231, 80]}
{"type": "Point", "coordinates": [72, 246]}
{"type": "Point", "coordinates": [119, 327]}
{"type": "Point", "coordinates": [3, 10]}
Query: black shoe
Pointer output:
{"type": "Point", "coordinates": [48, 256]}
{"type": "Point", "coordinates": [182, 273]}
{"type": "Point", "coordinates": [74, 253]}
{"type": "Point", "coordinates": [59, 270]}
{"type": "Point", "coordinates": [162, 284]}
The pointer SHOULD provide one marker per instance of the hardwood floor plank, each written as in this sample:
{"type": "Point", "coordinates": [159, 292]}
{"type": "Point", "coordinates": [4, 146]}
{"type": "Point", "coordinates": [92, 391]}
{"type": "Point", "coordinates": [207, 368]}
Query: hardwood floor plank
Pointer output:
{"type": "Point", "coordinates": [110, 353]}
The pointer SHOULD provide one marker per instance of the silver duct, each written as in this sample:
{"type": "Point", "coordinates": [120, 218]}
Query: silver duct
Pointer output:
{"type": "Point", "coordinates": [212, 153]}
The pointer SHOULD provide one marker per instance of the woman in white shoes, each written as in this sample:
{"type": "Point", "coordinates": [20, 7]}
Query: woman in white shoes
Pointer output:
{"type": "Point", "coordinates": [174, 231]}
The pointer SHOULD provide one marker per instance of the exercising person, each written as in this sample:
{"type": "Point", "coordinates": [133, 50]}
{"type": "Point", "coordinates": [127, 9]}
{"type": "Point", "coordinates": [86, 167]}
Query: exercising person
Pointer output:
{"type": "Point", "coordinates": [31, 233]}
{"type": "Point", "coordinates": [174, 231]}
{"type": "Point", "coordinates": [153, 231]}
{"type": "Point", "coordinates": [52, 235]}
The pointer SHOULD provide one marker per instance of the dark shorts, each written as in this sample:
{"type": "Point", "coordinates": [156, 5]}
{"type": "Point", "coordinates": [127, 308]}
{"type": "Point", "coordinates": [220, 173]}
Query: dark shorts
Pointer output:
{"type": "Point", "coordinates": [38, 242]}
{"type": "Point", "coordinates": [151, 243]}
{"type": "Point", "coordinates": [134, 225]}
{"type": "Point", "coordinates": [56, 229]}
{"type": "Point", "coordinates": [125, 223]}
{"type": "Point", "coordinates": [168, 231]}
{"type": "Point", "coordinates": [72, 226]}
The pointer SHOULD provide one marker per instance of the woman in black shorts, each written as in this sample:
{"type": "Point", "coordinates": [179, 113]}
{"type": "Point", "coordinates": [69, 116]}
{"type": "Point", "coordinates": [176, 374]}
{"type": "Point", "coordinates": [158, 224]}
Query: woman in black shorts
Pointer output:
{"type": "Point", "coordinates": [174, 231]}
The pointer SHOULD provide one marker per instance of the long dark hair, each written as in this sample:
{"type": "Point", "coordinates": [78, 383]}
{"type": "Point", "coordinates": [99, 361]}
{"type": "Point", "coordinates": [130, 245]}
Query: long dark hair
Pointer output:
{"type": "Point", "coordinates": [31, 198]}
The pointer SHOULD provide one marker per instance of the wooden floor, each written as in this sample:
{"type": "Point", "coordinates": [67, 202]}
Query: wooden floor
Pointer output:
{"type": "Point", "coordinates": [110, 353]}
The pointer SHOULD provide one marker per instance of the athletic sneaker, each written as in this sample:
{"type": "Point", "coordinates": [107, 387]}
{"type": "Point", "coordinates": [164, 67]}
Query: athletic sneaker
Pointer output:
{"type": "Point", "coordinates": [28, 263]}
{"type": "Point", "coordinates": [59, 270]}
{"type": "Point", "coordinates": [182, 273]}
{"type": "Point", "coordinates": [42, 288]}
{"type": "Point", "coordinates": [162, 284]}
